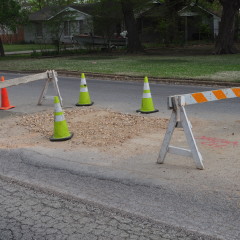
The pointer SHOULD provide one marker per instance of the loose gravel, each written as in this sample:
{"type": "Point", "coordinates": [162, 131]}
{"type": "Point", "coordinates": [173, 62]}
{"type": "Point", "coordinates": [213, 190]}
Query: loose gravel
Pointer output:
{"type": "Point", "coordinates": [92, 127]}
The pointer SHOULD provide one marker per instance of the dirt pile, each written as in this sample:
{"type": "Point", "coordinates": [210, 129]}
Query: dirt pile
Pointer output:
{"type": "Point", "coordinates": [92, 127]}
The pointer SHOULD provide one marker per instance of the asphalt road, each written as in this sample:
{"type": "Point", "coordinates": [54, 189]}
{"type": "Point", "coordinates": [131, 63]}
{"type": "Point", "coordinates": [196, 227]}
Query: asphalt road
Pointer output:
{"type": "Point", "coordinates": [120, 96]}
{"type": "Point", "coordinates": [207, 212]}
{"type": "Point", "coordinates": [33, 214]}
{"type": "Point", "coordinates": [192, 208]}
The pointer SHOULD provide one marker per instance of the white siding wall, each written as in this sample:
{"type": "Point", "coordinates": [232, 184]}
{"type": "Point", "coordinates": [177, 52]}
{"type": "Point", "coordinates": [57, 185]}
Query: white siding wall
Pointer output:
{"type": "Point", "coordinates": [216, 21]}
{"type": "Point", "coordinates": [30, 30]}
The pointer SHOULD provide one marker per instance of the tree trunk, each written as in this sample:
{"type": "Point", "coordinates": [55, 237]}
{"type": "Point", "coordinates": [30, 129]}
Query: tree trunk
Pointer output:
{"type": "Point", "coordinates": [237, 22]}
{"type": "Point", "coordinates": [225, 40]}
{"type": "Point", "coordinates": [134, 44]}
{"type": "Point", "coordinates": [2, 53]}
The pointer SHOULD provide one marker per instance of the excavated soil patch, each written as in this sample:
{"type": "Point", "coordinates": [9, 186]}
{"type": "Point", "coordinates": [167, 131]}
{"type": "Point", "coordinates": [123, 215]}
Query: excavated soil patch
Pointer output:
{"type": "Point", "coordinates": [92, 127]}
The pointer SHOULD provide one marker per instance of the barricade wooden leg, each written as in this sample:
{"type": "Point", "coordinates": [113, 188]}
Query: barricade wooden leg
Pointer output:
{"type": "Point", "coordinates": [179, 119]}
{"type": "Point", "coordinates": [167, 137]}
{"type": "Point", "coordinates": [44, 91]}
{"type": "Point", "coordinates": [190, 138]}
{"type": "Point", "coordinates": [52, 77]}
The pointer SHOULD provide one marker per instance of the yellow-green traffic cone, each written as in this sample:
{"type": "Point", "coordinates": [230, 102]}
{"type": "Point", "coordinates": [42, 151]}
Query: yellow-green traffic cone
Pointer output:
{"type": "Point", "coordinates": [147, 102]}
{"type": "Point", "coordinates": [61, 132]}
{"type": "Point", "coordinates": [84, 97]}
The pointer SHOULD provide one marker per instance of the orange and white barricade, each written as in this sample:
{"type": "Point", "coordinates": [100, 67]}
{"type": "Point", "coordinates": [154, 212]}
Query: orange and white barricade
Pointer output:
{"type": "Point", "coordinates": [179, 119]}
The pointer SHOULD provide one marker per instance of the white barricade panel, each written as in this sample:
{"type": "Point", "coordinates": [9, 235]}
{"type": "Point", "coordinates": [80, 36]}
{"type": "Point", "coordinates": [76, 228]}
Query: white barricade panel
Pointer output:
{"type": "Point", "coordinates": [50, 76]}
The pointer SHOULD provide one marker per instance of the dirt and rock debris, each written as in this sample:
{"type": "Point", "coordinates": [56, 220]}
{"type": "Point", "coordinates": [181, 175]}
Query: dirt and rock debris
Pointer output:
{"type": "Point", "coordinates": [131, 142]}
{"type": "Point", "coordinates": [92, 127]}
{"type": "Point", "coordinates": [116, 138]}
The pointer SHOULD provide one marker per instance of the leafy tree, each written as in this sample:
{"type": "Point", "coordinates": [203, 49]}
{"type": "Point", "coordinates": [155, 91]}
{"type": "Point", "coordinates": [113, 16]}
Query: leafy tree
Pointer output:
{"type": "Point", "coordinates": [10, 17]}
{"type": "Point", "coordinates": [127, 8]}
{"type": "Point", "coordinates": [213, 6]}
{"type": "Point", "coordinates": [56, 24]}
{"type": "Point", "coordinates": [39, 4]}
{"type": "Point", "coordinates": [107, 18]}
{"type": "Point", "coordinates": [169, 19]}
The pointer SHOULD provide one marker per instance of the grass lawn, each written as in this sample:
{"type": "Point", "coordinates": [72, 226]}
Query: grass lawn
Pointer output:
{"type": "Point", "coordinates": [215, 67]}
{"type": "Point", "coordinates": [25, 47]}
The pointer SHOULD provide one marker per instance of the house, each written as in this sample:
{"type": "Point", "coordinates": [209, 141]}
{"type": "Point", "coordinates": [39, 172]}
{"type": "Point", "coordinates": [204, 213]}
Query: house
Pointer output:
{"type": "Point", "coordinates": [199, 23]}
{"type": "Point", "coordinates": [191, 22]}
{"type": "Point", "coordinates": [59, 23]}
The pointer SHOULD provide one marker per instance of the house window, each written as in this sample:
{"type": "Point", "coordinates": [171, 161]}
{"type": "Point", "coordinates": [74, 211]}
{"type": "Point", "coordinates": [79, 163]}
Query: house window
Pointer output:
{"type": "Point", "coordinates": [66, 28]}
{"type": "Point", "coordinates": [71, 28]}
{"type": "Point", "coordinates": [81, 29]}
{"type": "Point", "coordinates": [39, 30]}
{"type": "Point", "coordinates": [74, 27]}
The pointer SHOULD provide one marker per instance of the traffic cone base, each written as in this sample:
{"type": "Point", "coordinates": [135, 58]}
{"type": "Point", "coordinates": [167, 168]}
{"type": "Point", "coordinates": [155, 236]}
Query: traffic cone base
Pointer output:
{"type": "Point", "coordinates": [156, 110]}
{"type": "Point", "coordinates": [6, 108]}
{"type": "Point", "coordinates": [90, 104]}
{"type": "Point", "coordinates": [52, 139]}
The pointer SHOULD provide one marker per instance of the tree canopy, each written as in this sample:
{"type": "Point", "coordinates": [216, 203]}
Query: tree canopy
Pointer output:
{"type": "Point", "coordinates": [39, 4]}
{"type": "Point", "coordinates": [10, 17]}
{"type": "Point", "coordinates": [9, 13]}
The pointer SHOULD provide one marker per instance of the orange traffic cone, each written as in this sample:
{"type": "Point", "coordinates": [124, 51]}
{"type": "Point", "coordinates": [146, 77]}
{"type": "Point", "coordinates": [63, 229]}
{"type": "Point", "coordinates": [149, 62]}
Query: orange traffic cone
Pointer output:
{"type": "Point", "coordinates": [5, 102]}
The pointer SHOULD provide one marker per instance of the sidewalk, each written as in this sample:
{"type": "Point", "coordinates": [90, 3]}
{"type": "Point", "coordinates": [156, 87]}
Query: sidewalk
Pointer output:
{"type": "Point", "coordinates": [21, 52]}
{"type": "Point", "coordinates": [31, 51]}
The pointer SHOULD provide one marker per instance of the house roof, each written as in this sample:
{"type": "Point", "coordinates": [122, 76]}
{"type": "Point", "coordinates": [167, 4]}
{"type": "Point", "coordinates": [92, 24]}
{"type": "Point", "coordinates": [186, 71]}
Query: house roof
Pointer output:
{"type": "Point", "coordinates": [155, 10]}
{"type": "Point", "coordinates": [193, 10]}
{"type": "Point", "coordinates": [152, 8]}
{"type": "Point", "coordinates": [48, 12]}
{"type": "Point", "coordinates": [44, 14]}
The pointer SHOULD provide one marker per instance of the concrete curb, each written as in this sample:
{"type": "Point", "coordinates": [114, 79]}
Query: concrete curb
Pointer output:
{"type": "Point", "coordinates": [121, 77]}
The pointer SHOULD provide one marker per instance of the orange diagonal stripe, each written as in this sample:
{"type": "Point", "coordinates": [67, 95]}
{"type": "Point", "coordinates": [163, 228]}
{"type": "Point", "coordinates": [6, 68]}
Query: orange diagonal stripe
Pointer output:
{"type": "Point", "coordinates": [236, 91]}
{"type": "Point", "coordinates": [199, 97]}
{"type": "Point", "coordinates": [219, 94]}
